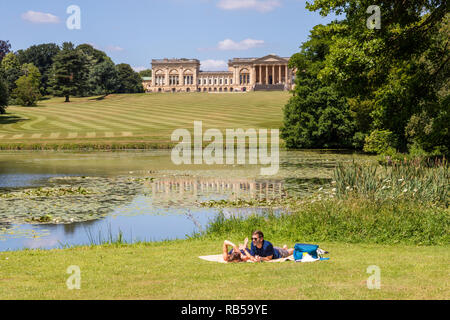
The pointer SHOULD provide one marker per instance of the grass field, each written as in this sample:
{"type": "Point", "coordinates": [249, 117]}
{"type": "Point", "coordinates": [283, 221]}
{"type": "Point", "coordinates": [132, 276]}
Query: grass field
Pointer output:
{"type": "Point", "coordinates": [136, 119]}
{"type": "Point", "coordinates": [172, 270]}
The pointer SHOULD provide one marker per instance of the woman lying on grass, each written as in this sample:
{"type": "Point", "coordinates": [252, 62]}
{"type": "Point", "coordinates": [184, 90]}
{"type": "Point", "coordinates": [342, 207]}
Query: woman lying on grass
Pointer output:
{"type": "Point", "coordinates": [237, 254]}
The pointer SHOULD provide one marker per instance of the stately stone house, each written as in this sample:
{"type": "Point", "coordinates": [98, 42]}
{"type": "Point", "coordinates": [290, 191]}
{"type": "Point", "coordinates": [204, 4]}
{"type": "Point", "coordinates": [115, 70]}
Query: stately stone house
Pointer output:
{"type": "Point", "coordinates": [244, 74]}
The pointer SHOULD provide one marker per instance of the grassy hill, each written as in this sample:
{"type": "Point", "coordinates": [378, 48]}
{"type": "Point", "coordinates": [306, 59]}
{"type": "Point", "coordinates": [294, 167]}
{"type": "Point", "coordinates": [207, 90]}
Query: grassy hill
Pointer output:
{"type": "Point", "coordinates": [134, 121]}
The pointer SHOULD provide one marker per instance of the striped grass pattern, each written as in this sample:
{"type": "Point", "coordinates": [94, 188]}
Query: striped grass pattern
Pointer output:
{"type": "Point", "coordinates": [137, 118]}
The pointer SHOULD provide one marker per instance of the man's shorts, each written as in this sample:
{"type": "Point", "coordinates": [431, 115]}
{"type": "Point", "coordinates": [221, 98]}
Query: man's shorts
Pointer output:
{"type": "Point", "coordinates": [283, 252]}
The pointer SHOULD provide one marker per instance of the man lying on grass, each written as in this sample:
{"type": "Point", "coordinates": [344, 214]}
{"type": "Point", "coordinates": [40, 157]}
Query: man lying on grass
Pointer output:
{"type": "Point", "coordinates": [261, 250]}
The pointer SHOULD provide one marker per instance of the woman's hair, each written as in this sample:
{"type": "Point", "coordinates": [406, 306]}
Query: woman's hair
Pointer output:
{"type": "Point", "coordinates": [234, 257]}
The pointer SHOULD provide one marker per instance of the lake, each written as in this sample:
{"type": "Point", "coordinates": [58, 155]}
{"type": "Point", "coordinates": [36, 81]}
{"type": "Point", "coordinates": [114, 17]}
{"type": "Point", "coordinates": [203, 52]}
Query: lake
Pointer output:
{"type": "Point", "coordinates": [61, 199]}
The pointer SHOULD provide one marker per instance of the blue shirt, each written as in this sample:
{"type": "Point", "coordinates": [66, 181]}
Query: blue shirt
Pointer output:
{"type": "Point", "coordinates": [266, 250]}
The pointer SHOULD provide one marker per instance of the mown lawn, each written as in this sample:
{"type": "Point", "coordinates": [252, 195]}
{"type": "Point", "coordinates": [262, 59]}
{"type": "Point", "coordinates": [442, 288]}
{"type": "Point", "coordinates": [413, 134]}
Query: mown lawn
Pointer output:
{"type": "Point", "coordinates": [137, 118]}
{"type": "Point", "coordinates": [172, 270]}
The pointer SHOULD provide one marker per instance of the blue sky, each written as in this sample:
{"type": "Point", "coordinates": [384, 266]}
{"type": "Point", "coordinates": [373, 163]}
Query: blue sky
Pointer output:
{"type": "Point", "coordinates": [136, 31]}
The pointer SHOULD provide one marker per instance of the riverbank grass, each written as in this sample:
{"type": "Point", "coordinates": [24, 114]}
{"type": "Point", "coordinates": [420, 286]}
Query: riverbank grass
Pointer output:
{"type": "Point", "coordinates": [172, 270]}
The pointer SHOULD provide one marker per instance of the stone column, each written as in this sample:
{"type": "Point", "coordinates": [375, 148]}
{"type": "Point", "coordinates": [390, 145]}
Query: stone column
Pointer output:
{"type": "Point", "coordinates": [287, 79]}
{"type": "Point", "coordinates": [181, 77]}
{"type": "Point", "coordinates": [279, 79]}
{"type": "Point", "coordinates": [273, 74]}
{"type": "Point", "coordinates": [260, 74]}
{"type": "Point", "coordinates": [166, 81]}
{"type": "Point", "coordinates": [195, 84]}
{"type": "Point", "coordinates": [253, 77]}
{"type": "Point", "coordinates": [267, 74]}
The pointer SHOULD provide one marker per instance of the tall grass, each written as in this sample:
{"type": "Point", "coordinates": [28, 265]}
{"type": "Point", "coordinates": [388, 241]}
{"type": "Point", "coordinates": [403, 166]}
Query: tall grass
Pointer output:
{"type": "Point", "coordinates": [109, 240]}
{"type": "Point", "coordinates": [349, 220]}
{"type": "Point", "coordinates": [418, 183]}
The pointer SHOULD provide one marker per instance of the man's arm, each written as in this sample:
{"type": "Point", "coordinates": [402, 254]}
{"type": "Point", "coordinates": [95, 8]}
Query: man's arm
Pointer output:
{"type": "Point", "coordinates": [267, 258]}
{"type": "Point", "coordinates": [248, 255]}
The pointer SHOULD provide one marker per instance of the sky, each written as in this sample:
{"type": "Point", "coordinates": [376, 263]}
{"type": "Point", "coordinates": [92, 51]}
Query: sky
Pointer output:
{"type": "Point", "coordinates": [137, 31]}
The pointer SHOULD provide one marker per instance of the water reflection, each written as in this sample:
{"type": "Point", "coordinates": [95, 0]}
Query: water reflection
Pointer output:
{"type": "Point", "coordinates": [185, 191]}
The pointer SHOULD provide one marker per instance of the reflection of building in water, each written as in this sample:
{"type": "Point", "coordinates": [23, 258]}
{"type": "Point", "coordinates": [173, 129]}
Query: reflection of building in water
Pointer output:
{"type": "Point", "coordinates": [176, 188]}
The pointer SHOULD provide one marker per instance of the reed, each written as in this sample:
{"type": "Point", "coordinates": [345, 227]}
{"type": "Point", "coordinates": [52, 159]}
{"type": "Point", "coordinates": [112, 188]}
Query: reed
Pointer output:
{"type": "Point", "coordinates": [400, 181]}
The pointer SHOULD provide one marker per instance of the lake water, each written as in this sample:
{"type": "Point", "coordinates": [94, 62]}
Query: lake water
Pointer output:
{"type": "Point", "coordinates": [140, 194]}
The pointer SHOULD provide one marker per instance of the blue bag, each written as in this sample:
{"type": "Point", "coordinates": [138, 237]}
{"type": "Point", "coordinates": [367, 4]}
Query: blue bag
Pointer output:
{"type": "Point", "coordinates": [301, 248]}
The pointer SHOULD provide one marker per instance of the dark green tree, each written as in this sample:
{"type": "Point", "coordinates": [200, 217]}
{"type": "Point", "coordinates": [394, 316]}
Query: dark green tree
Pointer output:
{"type": "Point", "coordinates": [94, 57]}
{"type": "Point", "coordinates": [104, 76]}
{"type": "Point", "coordinates": [390, 75]}
{"type": "Point", "coordinates": [129, 80]}
{"type": "Point", "coordinates": [69, 72]}
{"type": "Point", "coordinates": [317, 116]}
{"type": "Point", "coordinates": [145, 73]}
{"type": "Point", "coordinates": [42, 57]}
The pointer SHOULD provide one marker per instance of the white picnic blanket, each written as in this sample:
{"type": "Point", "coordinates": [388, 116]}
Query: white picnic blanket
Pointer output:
{"type": "Point", "coordinates": [219, 258]}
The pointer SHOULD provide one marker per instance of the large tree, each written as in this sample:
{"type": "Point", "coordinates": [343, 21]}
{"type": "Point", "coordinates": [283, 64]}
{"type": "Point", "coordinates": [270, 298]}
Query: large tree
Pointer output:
{"type": "Point", "coordinates": [317, 116]}
{"type": "Point", "coordinates": [70, 72]}
{"type": "Point", "coordinates": [392, 77]}
{"type": "Point", "coordinates": [129, 80]}
{"type": "Point", "coordinates": [104, 76]}
{"type": "Point", "coordinates": [42, 57]}
{"type": "Point", "coordinates": [393, 72]}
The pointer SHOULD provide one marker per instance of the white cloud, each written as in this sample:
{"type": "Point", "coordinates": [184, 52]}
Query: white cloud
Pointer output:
{"type": "Point", "coordinates": [40, 17]}
{"type": "Point", "coordinates": [93, 45]}
{"type": "Point", "coordinates": [246, 44]}
{"type": "Point", "coordinates": [114, 48]}
{"type": "Point", "coordinates": [259, 5]}
{"type": "Point", "coordinates": [214, 65]}
{"type": "Point", "coordinates": [140, 68]}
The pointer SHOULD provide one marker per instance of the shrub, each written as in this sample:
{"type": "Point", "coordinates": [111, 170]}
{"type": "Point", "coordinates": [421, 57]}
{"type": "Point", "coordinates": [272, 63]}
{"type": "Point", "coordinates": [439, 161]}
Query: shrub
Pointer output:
{"type": "Point", "coordinates": [380, 142]}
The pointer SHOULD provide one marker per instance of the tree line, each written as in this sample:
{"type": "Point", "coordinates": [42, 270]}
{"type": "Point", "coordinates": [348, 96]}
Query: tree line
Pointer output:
{"type": "Point", "coordinates": [63, 71]}
{"type": "Point", "coordinates": [379, 90]}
